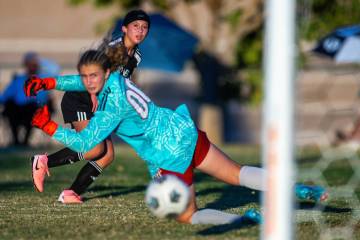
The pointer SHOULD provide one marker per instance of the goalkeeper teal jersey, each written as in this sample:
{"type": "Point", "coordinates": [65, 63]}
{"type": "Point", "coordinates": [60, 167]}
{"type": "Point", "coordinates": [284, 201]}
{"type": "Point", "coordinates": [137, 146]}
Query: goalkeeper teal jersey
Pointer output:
{"type": "Point", "coordinates": [163, 138]}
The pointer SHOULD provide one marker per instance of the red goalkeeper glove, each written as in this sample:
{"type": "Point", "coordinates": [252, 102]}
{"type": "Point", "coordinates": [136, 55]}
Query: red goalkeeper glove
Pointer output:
{"type": "Point", "coordinates": [41, 119]}
{"type": "Point", "coordinates": [34, 84]}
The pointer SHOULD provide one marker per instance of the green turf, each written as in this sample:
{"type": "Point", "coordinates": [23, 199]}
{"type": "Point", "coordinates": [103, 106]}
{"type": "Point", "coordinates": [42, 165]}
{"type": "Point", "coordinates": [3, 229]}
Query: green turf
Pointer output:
{"type": "Point", "coordinates": [115, 209]}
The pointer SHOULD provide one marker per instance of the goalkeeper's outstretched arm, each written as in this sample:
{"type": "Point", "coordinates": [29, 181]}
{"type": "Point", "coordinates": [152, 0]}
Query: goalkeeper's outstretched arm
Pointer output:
{"type": "Point", "coordinates": [63, 83]}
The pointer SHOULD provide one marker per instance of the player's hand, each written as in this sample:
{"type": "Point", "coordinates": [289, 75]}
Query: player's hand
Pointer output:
{"type": "Point", "coordinates": [35, 84]}
{"type": "Point", "coordinates": [41, 119]}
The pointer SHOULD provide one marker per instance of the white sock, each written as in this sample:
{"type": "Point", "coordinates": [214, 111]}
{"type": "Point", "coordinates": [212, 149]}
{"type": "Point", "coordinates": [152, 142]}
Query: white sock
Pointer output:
{"type": "Point", "coordinates": [252, 177]}
{"type": "Point", "coordinates": [211, 216]}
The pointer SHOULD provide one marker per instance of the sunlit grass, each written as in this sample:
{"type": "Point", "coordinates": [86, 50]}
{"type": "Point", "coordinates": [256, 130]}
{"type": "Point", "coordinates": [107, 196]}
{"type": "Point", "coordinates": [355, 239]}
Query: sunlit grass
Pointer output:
{"type": "Point", "coordinates": [114, 206]}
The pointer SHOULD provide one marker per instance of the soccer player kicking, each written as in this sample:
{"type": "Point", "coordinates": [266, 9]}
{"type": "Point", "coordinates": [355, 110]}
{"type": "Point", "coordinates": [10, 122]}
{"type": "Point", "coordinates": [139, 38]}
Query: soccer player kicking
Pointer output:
{"type": "Point", "coordinates": [168, 141]}
{"type": "Point", "coordinates": [77, 109]}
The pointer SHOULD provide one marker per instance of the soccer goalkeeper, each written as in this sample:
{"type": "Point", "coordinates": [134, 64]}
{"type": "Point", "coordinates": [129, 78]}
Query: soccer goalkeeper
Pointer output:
{"type": "Point", "coordinates": [168, 141]}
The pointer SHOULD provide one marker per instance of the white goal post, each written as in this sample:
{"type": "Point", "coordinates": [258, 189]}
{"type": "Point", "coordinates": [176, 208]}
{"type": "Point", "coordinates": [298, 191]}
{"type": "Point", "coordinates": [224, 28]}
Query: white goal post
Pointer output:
{"type": "Point", "coordinates": [278, 119]}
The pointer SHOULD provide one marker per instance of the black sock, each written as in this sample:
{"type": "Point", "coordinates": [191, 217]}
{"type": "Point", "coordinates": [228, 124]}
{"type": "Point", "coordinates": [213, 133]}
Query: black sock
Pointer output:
{"type": "Point", "coordinates": [86, 176]}
{"type": "Point", "coordinates": [64, 156]}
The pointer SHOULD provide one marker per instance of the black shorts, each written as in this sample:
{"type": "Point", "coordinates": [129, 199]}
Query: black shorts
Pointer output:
{"type": "Point", "coordinates": [76, 106]}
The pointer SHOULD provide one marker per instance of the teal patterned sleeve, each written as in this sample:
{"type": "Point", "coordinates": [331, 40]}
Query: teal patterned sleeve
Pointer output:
{"type": "Point", "coordinates": [100, 126]}
{"type": "Point", "coordinates": [69, 83]}
{"type": "Point", "coordinates": [98, 129]}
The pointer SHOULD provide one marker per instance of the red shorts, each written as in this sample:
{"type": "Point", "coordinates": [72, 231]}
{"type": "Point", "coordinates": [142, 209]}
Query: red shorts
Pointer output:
{"type": "Point", "coordinates": [201, 150]}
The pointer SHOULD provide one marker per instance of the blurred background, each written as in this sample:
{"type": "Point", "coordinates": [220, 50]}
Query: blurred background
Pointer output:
{"type": "Point", "coordinates": [219, 77]}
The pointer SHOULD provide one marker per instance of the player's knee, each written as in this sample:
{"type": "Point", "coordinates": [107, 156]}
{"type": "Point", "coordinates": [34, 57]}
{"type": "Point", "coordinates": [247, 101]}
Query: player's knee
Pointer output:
{"type": "Point", "coordinates": [100, 150]}
{"type": "Point", "coordinates": [108, 159]}
{"type": "Point", "coordinates": [97, 152]}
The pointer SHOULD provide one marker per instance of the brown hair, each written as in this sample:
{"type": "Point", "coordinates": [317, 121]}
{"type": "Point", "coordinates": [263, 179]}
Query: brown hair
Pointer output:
{"type": "Point", "coordinates": [116, 51]}
{"type": "Point", "coordinates": [117, 55]}
{"type": "Point", "coordinates": [94, 57]}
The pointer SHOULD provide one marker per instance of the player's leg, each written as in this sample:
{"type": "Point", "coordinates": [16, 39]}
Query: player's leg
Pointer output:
{"type": "Point", "coordinates": [219, 165]}
{"type": "Point", "coordinates": [77, 110]}
{"type": "Point", "coordinates": [98, 158]}
{"type": "Point", "coordinates": [75, 107]}
{"type": "Point", "coordinates": [89, 172]}
{"type": "Point", "coordinates": [211, 160]}
{"type": "Point", "coordinates": [186, 216]}
{"type": "Point", "coordinates": [96, 152]}
{"type": "Point", "coordinates": [192, 214]}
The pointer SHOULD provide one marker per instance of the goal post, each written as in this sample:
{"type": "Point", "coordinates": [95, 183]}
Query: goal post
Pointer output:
{"type": "Point", "coordinates": [278, 119]}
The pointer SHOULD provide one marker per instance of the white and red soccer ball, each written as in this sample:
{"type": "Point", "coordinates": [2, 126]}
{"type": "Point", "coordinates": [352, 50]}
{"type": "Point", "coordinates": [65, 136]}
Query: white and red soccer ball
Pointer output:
{"type": "Point", "coordinates": [167, 196]}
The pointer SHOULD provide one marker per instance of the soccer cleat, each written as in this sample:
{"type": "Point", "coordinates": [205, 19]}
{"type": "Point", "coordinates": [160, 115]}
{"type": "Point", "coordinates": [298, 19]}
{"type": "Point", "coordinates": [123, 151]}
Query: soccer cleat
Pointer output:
{"type": "Point", "coordinates": [39, 170]}
{"type": "Point", "coordinates": [252, 215]}
{"type": "Point", "coordinates": [315, 193]}
{"type": "Point", "coordinates": [69, 196]}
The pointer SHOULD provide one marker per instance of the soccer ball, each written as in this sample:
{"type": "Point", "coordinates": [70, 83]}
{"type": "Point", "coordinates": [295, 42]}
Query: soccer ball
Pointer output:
{"type": "Point", "coordinates": [167, 196]}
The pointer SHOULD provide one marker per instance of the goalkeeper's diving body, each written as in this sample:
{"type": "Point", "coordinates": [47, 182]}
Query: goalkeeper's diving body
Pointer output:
{"type": "Point", "coordinates": [167, 140]}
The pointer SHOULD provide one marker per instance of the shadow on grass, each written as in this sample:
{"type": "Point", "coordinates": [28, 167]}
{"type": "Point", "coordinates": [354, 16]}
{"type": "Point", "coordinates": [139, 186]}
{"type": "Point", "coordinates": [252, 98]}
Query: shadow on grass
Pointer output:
{"type": "Point", "coordinates": [220, 229]}
{"type": "Point", "coordinates": [326, 209]}
{"type": "Point", "coordinates": [114, 191]}
{"type": "Point", "coordinates": [10, 162]}
{"type": "Point", "coordinates": [16, 186]}
{"type": "Point", "coordinates": [230, 196]}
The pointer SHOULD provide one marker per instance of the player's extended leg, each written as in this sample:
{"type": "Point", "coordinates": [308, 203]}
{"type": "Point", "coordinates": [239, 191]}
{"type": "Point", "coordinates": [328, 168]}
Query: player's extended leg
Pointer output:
{"type": "Point", "coordinates": [91, 170]}
{"type": "Point", "coordinates": [101, 156]}
{"type": "Point", "coordinates": [205, 216]}
{"type": "Point", "coordinates": [211, 216]}
{"type": "Point", "coordinates": [185, 217]}
{"type": "Point", "coordinates": [219, 165]}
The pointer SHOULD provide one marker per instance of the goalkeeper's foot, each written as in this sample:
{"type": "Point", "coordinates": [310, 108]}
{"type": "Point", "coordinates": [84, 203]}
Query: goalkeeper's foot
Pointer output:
{"type": "Point", "coordinates": [315, 193]}
{"type": "Point", "coordinates": [69, 196]}
{"type": "Point", "coordinates": [252, 215]}
{"type": "Point", "coordinates": [39, 170]}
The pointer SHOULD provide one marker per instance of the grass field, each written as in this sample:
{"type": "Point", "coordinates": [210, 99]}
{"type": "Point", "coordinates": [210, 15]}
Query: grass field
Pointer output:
{"type": "Point", "coordinates": [115, 209]}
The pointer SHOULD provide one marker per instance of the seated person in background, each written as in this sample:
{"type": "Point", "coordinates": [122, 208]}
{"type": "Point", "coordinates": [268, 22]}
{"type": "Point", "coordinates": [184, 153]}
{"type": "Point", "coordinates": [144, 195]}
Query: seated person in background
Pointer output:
{"type": "Point", "coordinates": [19, 109]}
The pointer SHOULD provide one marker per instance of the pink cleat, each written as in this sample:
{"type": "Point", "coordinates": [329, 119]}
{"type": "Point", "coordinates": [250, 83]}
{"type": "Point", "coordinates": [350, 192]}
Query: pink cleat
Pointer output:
{"type": "Point", "coordinates": [69, 196]}
{"type": "Point", "coordinates": [39, 170]}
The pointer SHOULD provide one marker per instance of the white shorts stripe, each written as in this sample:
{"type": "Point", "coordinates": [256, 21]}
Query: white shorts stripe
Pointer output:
{"type": "Point", "coordinates": [81, 156]}
{"type": "Point", "coordinates": [81, 116]}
